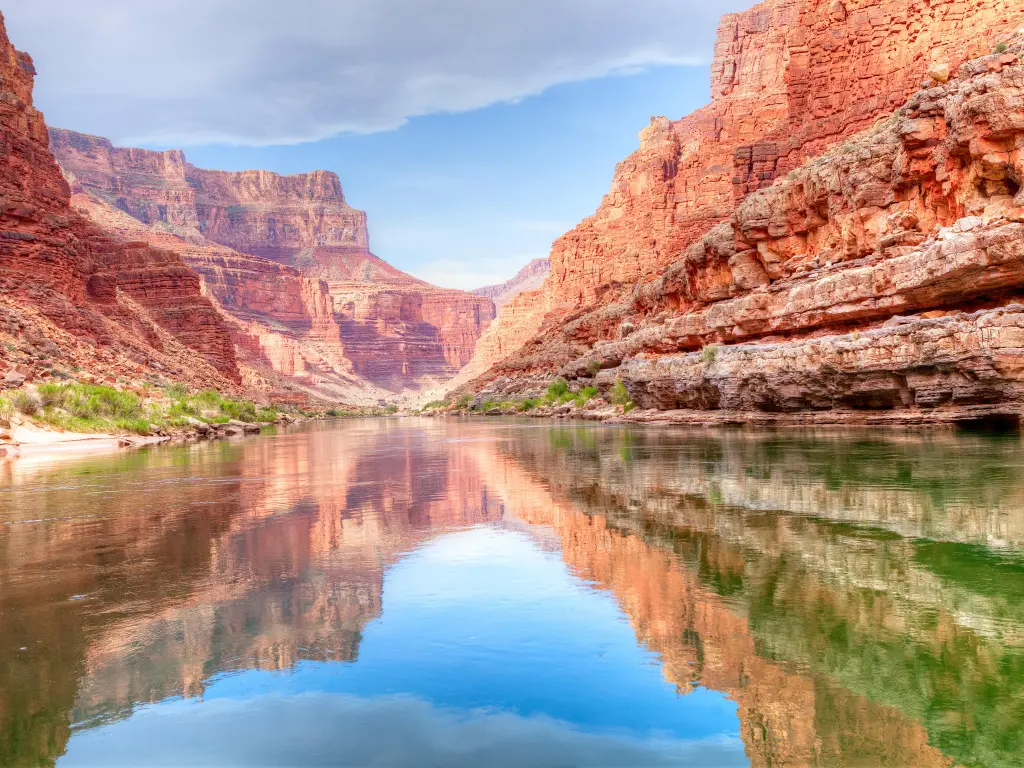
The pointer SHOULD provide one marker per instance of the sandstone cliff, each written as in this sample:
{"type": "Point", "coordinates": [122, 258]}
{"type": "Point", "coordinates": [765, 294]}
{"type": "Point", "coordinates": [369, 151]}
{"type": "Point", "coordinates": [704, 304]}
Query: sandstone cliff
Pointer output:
{"type": "Point", "coordinates": [288, 262]}
{"type": "Point", "coordinates": [529, 278]}
{"type": "Point", "coordinates": [73, 297]}
{"type": "Point", "coordinates": [725, 272]}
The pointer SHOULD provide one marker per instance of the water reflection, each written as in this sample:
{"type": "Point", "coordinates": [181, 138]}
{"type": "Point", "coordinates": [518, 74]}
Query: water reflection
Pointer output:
{"type": "Point", "coordinates": [481, 587]}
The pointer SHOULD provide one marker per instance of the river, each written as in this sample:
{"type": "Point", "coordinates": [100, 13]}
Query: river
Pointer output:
{"type": "Point", "coordinates": [507, 593]}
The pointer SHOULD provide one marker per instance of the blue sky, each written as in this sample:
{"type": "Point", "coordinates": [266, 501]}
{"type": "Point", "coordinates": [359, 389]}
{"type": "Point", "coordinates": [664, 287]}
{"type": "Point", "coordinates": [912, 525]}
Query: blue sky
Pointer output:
{"type": "Point", "coordinates": [464, 200]}
{"type": "Point", "coordinates": [472, 133]}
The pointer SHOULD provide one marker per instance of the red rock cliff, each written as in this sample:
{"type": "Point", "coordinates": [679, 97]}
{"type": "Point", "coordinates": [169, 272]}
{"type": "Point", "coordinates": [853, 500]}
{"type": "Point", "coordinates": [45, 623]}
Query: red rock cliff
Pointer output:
{"type": "Point", "coordinates": [354, 327]}
{"type": "Point", "coordinates": [901, 244]}
{"type": "Point", "coordinates": [790, 78]}
{"type": "Point", "coordinates": [72, 295]}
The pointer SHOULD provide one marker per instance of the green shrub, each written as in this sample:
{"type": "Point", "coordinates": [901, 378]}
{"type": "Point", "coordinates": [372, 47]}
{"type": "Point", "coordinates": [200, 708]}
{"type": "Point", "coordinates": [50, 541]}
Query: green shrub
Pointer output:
{"type": "Point", "coordinates": [709, 354]}
{"type": "Point", "coordinates": [1001, 48]}
{"type": "Point", "coordinates": [138, 426]}
{"type": "Point", "coordinates": [269, 413]}
{"type": "Point", "coordinates": [53, 395]}
{"type": "Point", "coordinates": [465, 400]}
{"type": "Point", "coordinates": [594, 367]}
{"type": "Point", "coordinates": [27, 402]}
{"type": "Point", "coordinates": [557, 388]}
{"type": "Point", "coordinates": [6, 412]}
{"type": "Point", "coordinates": [176, 391]}
{"type": "Point", "coordinates": [528, 404]}
{"type": "Point", "coordinates": [585, 395]}
{"type": "Point", "coordinates": [619, 394]}
{"type": "Point", "coordinates": [87, 401]}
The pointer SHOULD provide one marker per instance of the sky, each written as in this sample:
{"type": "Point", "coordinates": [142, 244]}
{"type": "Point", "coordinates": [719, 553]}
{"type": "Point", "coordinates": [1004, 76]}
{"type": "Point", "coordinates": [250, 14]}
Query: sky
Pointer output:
{"type": "Point", "coordinates": [473, 132]}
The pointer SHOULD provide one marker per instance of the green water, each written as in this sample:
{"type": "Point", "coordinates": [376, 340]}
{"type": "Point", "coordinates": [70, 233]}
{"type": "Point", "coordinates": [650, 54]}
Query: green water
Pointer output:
{"type": "Point", "coordinates": [488, 592]}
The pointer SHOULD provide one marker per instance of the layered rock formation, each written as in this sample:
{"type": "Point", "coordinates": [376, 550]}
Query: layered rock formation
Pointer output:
{"type": "Point", "coordinates": [72, 295]}
{"type": "Point", "coordinates": [881, 275]}
{"type": "Point", "coordinates": [529, 278]}
{"type": "Point", "coordinates": [288, 262]}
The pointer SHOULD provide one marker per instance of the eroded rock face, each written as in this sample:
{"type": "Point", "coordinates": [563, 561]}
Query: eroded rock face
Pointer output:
{"type": "Point", "coordinates": [790, 78]}
{"type": "Point", "coordinates": [118, 308]}
{"type": "Point", "coordinates": [281, 218]}
{"type": "Point", "coordinates": [867, 278]}
{"type": "Point", "coordinates": [288, 261]}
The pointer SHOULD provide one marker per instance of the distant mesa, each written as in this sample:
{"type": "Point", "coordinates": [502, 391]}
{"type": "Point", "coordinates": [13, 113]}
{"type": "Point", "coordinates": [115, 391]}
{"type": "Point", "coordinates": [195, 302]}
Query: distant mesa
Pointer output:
{"type": "Point", "coordinates": [529, 278]}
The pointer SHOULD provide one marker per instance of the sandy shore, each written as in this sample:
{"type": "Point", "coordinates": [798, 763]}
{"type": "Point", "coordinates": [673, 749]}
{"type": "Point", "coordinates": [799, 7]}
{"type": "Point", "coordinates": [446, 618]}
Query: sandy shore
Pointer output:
{"type": "Point", "coordinates": [32, 443]}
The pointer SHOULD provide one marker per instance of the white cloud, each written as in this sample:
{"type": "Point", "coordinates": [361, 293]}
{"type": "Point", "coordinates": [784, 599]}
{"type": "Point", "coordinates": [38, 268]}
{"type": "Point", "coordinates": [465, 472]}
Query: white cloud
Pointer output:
{"type": "Point", "coordinates": [326, 729]}
{"type": "Point", "coordinates": [263, 72]}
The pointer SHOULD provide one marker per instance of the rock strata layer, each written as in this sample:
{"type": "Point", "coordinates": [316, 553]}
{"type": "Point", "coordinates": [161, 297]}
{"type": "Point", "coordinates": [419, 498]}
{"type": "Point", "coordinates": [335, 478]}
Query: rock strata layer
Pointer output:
{"type": "Point", "coordinates": [883, 274]}
{"type": "Point", "coordinates": [71, 295]}
{"type": "Point", "coordinates": [287, 260]}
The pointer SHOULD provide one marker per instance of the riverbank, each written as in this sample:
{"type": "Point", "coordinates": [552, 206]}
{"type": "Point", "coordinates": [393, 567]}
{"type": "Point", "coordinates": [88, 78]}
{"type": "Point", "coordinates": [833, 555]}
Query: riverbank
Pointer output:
{"type": "Point", "coordinates": [987, 417]}
{"type": "Point", "coordinates": [82, 417]}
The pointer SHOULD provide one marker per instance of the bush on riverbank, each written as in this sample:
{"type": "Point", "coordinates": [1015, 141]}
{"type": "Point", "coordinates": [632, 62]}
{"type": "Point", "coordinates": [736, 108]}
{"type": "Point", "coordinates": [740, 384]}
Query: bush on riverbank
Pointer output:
{"type": "Point", "coordinates": [82, 407]}
{"type": "Point", "coordinates": [557, 394]}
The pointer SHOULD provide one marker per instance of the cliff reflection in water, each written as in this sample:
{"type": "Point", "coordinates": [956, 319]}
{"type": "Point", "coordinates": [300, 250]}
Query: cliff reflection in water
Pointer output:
{"type": "Point", "coordinates": [857, 596]}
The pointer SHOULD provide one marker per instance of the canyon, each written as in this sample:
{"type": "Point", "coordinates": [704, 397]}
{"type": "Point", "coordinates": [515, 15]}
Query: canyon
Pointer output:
{"type": "Point", "coordinates": [130, 265]}
{"type": "Point", "coordinates": [287, 262]}
{"type": "Point", "coordinates": [836, 237]}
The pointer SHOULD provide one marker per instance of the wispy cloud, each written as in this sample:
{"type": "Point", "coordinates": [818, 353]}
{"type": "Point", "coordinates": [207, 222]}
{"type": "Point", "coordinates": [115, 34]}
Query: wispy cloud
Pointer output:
{"type": "Point", "coordinates": [263, 72]}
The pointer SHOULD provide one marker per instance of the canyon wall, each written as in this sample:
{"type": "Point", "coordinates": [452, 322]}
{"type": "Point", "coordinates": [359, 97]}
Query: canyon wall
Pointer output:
{"type": "Point", "coordinates": [287, 260]}
{"type": "Point", "coordinates": [72, 296]}
{"type": "Point", "coordinates": [728, 273]}
{"type": "Point", "coordinates": [790, 78]}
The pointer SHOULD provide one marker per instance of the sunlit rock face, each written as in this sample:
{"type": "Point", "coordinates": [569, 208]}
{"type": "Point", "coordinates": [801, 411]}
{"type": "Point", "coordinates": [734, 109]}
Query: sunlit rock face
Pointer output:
{"type": "Point", "coordinates": [288, 261]}
{"type": "Point", "coordinates": [880, 274]}
{"type": "Point", "coordinates": [88, 300]}
{"type": "Point", "coordinates": [790, 78]}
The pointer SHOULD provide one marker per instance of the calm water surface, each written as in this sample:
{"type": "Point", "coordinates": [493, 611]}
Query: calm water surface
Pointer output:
{"type": "Point", "coordinates": [427, 592]}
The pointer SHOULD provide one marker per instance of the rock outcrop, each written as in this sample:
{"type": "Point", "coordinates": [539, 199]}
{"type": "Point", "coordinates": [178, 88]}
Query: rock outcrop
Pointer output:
{"type": "Point", "coordinates": [882, 275]}
{"type": "Point", "coordinates": [529, 278]}
{"type": "Point", "coordinates": [73, 296]}
{"type": "Point", "coordinates": [288, 262]}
